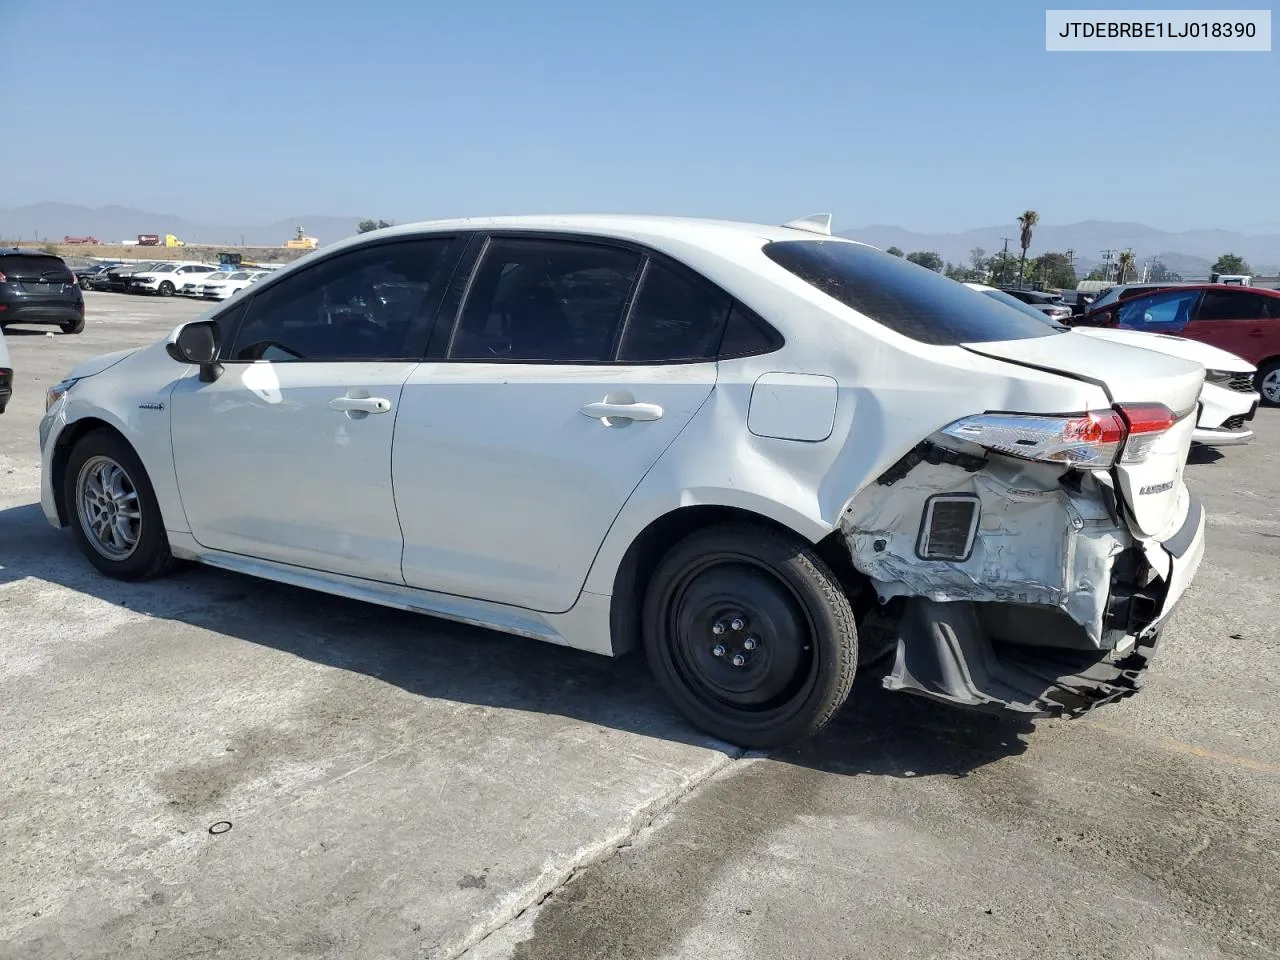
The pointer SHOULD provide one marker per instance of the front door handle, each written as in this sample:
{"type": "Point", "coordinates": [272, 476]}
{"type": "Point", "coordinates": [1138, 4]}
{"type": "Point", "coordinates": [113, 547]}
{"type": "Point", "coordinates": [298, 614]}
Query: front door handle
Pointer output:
{"type": "Point", "coordinates": [607, 411]}
{"type": "Point", "coordinates": [360, 404]}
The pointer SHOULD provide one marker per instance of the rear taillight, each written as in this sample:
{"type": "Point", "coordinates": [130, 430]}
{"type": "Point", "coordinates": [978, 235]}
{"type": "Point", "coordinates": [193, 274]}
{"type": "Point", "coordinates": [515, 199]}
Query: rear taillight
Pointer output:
{"type": "Point", "coordinates": [1096, 439]}
{"type": "Point", "coordinates": [1146, 423]}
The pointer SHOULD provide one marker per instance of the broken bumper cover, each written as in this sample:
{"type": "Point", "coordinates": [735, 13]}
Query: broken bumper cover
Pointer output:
{"type": "Point", "coordinates": [945, 653]}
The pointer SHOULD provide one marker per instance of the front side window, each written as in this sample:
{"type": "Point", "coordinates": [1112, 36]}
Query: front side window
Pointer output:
{"type": "Point", "coordinates": [676, 316]}
{"type": "Point", "coordinates": [908, 299]}
{"type": "Point", "coordinates": [366, 304]}
{"type": "Point", "coordinates": [1166, 312]}
{"type": "Point", "coordinates": [544, 301]}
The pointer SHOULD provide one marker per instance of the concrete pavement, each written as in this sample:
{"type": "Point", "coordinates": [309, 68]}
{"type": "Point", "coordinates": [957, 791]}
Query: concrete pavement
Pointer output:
{"type": "Point", "coordinates": [396, 786]}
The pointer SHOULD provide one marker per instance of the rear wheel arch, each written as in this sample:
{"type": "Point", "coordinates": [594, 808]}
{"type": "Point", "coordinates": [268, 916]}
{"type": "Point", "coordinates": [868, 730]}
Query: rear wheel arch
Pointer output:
{"type": "Point", "coordinates": [641, 558]}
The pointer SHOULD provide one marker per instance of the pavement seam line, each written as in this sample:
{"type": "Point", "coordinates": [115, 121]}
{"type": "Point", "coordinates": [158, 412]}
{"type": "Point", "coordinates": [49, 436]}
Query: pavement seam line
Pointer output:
{"type": "Point", "coordinates": [551, 880]}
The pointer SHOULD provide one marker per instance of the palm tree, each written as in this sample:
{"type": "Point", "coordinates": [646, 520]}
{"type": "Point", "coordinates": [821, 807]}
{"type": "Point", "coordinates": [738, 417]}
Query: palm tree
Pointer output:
{"type": "Point", "coordinates": [1126, 262]}
{"type": "Point", "coordinates": [1027, 222]}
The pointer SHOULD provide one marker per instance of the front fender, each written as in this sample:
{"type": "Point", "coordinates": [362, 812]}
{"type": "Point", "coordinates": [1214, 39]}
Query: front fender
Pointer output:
{"type": "Point", "coordinates": [131, 398]}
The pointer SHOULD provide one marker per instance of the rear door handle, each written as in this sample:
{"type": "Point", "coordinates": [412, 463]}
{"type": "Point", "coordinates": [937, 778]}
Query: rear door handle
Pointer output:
{"type": "Point", "coordinates": [360, 404]}
{"type": "Point", "coordinates": [622, 411]}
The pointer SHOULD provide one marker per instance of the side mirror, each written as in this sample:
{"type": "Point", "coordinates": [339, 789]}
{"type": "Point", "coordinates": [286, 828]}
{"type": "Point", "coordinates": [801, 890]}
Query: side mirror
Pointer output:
{"type": "Point", "coordinates": [198, 343]}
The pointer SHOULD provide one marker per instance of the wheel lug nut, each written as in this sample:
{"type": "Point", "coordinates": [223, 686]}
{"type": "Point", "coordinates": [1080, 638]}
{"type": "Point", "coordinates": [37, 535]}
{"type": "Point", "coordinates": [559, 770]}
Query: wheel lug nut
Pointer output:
{"type": "Point", "coordinates": [718, 650]}
{"type": "Point", "coordinates": [738, 660]}
{"type": "Point", "coordinates": [737, 624]}
{"type": "Point", "coordinates": [749, 643]}
{"type": "Point", "coordinates": [718, 628]}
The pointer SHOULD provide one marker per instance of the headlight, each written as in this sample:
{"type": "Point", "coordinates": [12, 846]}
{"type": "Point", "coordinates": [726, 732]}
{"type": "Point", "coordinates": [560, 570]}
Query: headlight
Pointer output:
{"type": "Point", "coordinates": [56, 393]}
{"type": "Point", "coordinates": [1218, 376]}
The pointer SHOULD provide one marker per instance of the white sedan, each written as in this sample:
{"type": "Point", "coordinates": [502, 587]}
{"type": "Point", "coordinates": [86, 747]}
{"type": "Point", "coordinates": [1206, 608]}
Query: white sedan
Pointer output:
{"type": "Point", "coordinates": [1227, 403]}
{"type": "Point", "coordinates": [737, 446]}
{"type": "Point", "coordinates": [224, 285]}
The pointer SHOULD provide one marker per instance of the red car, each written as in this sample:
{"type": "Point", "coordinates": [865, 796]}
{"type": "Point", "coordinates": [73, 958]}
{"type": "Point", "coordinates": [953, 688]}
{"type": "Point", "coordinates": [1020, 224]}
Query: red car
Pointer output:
{"type": "Point", "coordinates": [1241, 320]}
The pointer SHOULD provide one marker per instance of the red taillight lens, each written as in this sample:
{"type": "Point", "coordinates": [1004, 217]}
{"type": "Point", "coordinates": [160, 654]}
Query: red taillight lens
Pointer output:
{"type": "Point", "coordinates": [1147, 417]}
{"type": "Point", "coordinates": [1096, 439]}
{"type": "Point", "coordinates": [1147, 423]}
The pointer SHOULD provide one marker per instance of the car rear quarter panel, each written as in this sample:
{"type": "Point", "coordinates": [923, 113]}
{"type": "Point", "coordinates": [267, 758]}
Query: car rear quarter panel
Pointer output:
{"type": "Point", "coordinates": [892, 392]}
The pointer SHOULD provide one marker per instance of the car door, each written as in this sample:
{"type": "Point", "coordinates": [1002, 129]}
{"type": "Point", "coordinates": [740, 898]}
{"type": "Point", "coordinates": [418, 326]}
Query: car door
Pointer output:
{"type": "Point", "coordinates": [571, 367]}
{"type": "Point", "coordinates": [287, 455]}
{"type": "Point", "coordinates": [1234, 320]}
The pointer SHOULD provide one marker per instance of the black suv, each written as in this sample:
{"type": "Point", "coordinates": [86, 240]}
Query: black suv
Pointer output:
{"type": "Point", "coordinates": [37, 287]}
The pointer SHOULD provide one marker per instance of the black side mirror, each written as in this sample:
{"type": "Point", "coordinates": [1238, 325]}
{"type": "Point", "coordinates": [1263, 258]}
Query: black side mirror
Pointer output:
{"type": "Point", "coordinates": [198, 343]}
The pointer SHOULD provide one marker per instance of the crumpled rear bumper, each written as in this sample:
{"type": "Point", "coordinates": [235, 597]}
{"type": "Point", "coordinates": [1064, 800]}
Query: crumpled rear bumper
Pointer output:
{"type": "Point", "coordinates": [946, 653]}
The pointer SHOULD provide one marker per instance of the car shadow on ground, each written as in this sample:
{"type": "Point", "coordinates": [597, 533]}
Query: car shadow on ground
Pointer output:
{"type": "Point", "coordinates": [877, 733]}
{"type": "Point", "coordinates": [32, 331]}
{"type": "Point", "coordinates": [1201, 455]}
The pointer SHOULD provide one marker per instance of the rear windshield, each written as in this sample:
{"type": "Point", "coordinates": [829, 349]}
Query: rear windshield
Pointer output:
{"type": "Point", "coordinates": [908, 299]}
{"type": "Point", "coordinates": [34, 268]}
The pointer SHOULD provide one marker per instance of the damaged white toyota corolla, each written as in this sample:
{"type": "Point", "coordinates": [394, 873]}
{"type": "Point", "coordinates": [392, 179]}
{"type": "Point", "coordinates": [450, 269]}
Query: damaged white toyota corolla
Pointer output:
{"type": "Point", "coordinates": [739, 446]}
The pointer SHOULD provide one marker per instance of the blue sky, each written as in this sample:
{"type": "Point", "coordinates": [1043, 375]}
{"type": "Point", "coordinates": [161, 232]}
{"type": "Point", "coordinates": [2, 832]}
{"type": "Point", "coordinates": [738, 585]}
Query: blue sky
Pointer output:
{"type": "Point", "coordinates": [934, 116]}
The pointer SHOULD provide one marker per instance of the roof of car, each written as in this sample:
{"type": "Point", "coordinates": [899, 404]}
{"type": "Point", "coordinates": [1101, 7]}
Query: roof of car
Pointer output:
{"type": "Point", "coordinates": [638, 227]}
{"type": "Point", "coordinates": [1214, 286]}
{"type": "Point", "coordinates": [21, 252]}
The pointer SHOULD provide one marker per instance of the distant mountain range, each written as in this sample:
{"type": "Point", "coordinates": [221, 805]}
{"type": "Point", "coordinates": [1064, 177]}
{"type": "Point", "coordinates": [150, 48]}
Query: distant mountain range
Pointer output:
{"type": "Point", "coordinates": [1190, 253]}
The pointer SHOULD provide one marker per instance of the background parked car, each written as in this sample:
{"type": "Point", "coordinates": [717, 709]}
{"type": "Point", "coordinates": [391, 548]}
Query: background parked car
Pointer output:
{"type": "Point", "coordinates": [1050, 304]}
{"type": "Point", "coordinates": [117, 278]}
{"type": "Point", "coordinates": [165, 279]}
{"type": "Point", "coordinates": [86, 275]}
{"type": "Point", "coordinates": [219, 286]}
{"type": "Point", "coordinates": [6, 375]}
{"type": "Point", "coordinates": [1126, 291]}
{"type": "Point", "coordinates": [37, 287]}
{"type": "Point", "coordinates": [1244, 321]}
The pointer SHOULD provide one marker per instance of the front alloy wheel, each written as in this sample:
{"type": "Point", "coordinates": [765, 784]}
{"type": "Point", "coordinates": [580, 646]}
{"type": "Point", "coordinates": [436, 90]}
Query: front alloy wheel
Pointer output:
{"type": "Point", "coordinates": [112, 508]}
{"type": "Point", "coordinates": [751, 635]}
{"type": "Point", "coordinates": [107, 508]}
{"type": "Point", "coordinates": [166, 289]}
{"type": "Point", "coordinates": [1269, 383]}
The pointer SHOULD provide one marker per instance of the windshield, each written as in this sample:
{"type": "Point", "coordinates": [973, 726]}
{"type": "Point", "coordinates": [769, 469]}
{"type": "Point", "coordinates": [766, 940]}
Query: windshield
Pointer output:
{"type": "Point", "coordinates": [908, 299]}
{"type": "Point", "coordinates": [165, 268]}
{"type": "Point", "coordinates": [238, 276]}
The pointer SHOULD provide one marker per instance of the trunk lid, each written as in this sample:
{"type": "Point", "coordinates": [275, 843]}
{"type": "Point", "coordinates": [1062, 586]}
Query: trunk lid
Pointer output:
{"type": "Point", "coordinates": [1151, 489]}
{"type": "Point", "coordinates": [1129, 374]}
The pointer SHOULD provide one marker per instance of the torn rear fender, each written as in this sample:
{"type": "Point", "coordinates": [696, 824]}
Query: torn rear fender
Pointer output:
{"type": "Point", "coordinates": [1038, 541]}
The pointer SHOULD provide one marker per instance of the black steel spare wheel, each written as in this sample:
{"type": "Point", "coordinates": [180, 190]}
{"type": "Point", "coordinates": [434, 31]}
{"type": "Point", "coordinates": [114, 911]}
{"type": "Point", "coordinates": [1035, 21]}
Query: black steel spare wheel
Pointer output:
{"type": "Point", "coordinates": [750, 634]}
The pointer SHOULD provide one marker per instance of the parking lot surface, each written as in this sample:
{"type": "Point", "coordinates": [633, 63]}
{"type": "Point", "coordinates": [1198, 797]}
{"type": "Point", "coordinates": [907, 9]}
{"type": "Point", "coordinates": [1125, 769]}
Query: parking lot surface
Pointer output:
{"type": "Point", "coordinates": [209, 765]}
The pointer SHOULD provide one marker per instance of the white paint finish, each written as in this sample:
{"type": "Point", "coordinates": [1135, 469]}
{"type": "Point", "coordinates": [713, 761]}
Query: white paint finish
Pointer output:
{"type": "Point", "coordinates": [510, 493]}
{"type": "Point", "coordinates": [506, 488]}
{"type": "Point", "coordinates": [1218, 403]}
{"type": "Point", "coordinates": [269, 470]}
{"type": "Point", "coordinates": [793, 406]}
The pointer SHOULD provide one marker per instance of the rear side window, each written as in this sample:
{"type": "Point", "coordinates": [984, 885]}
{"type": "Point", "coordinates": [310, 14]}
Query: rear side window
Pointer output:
{"type": "Point", "coordinates": [34, 268]}
{"type": "Point", "coordinates": [1233, 305]}
{"type": "Point", "coordinates": [906, 298]}
{"type": "Point", "coordinates": [676, 316]}
{"type": "Point", "coordinates": [545, 301]}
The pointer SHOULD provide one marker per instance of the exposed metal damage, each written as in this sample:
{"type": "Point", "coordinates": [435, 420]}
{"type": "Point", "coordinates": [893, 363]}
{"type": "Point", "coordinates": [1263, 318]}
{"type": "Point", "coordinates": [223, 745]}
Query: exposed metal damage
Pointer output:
{"type": "Point", "coordinates": [1043, 606]}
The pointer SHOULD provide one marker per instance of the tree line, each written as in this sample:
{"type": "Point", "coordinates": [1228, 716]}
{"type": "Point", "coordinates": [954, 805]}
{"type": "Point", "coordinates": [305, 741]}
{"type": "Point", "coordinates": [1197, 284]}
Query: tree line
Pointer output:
{"type": "Point", "coordinates": [1055, 269]}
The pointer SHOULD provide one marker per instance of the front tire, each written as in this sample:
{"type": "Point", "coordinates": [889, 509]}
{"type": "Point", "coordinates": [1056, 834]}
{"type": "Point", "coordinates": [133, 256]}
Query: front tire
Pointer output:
{"type": "Point", "coordinates": [166, 289]}
{"type": "Point", "coordinates": [112, 508]}
{"type": "Point", "coordinates": [751, 635]}
{"type": "Point", "coordinates": [1269, 383]}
